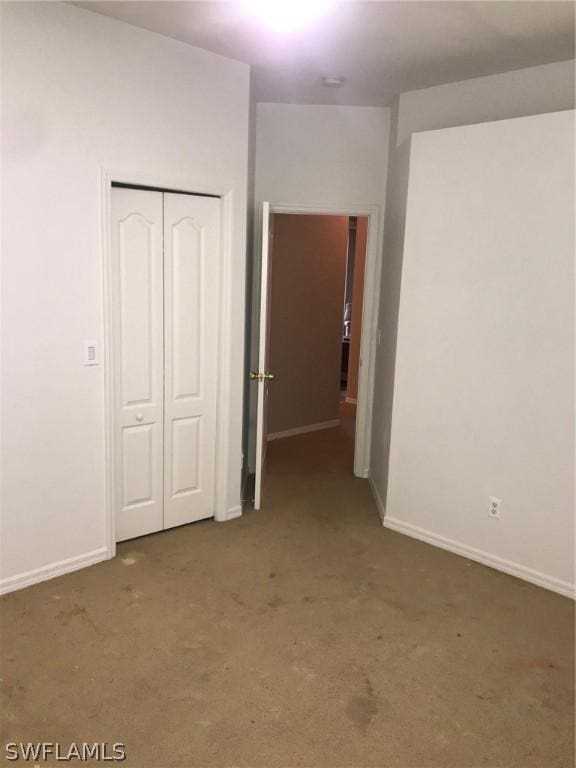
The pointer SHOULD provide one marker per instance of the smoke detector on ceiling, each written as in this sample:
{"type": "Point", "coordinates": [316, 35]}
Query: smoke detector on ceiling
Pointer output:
{"type": "Point", "coordinates": [333, 82]}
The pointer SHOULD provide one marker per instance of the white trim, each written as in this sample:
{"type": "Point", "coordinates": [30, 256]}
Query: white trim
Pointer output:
{"type": "Point", "coordinates": [263, 338]}
{"type": "Point", "coordinates": [224, 360]}
{"type": "Point", "coordinates": [108, 361]}
{"type": "Point", "coordinates": [184, 183]}
{"type": "Point", "coordinates": [351, 400]}
{"type": "Point", "coordinates": [53, 570]}
{"type": "Point", "coordinates": [231, 514]}
{"type": "Point", "coordinates": [370, 306]}
{"type": "Point", "coordinates": [479, 556]}
{"type": "Point", "coordinates": [303, 430]}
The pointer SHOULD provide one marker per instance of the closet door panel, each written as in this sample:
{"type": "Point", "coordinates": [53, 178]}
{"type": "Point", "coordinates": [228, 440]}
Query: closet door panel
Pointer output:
{"type": "Point", "coordinates": [187, 308]}
{"type": "Point", "coordinates": [185, 455]}
{"type": "Point", "coordinates": [191, 298]}
{"type": "Point", "coordinates": [137, 299]}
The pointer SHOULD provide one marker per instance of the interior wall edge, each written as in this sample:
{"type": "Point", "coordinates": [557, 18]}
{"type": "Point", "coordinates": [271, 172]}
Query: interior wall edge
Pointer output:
{"type": "Point", "coordinates": [380, 506]}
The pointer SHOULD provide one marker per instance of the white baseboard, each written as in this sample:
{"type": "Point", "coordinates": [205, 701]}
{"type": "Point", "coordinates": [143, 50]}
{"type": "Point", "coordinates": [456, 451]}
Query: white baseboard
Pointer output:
{"type": "Point", "coordinates": [53, 570]}
{"type": "Point", "coordinates": [303, 430]}
{"type": "Point", "coordinates": [352, 400]}
{"type": "Point", "coordinates": [479, 556]}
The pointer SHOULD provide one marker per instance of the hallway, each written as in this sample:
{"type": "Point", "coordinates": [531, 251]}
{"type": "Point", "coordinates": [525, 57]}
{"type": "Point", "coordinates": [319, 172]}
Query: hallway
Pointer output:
{"type": "Point", "coordinates": [302, 635]}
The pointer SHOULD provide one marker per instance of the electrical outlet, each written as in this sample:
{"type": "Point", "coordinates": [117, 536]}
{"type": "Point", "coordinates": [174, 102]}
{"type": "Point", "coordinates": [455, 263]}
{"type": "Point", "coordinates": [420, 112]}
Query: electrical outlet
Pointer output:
{"type": "Point", "coordinates": [494, 508]}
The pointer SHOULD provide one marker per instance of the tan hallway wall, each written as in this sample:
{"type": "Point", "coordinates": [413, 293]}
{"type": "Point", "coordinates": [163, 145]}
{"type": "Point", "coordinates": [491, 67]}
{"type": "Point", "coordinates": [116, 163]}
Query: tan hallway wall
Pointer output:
{"type": "Point", "coordinates": [307, 294]}
{"type": "Point", "coordinates": [357, 300]}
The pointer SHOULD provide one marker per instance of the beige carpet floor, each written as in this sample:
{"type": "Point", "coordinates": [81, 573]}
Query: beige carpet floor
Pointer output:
{"type": "Point", "coordinates": [302, 635]}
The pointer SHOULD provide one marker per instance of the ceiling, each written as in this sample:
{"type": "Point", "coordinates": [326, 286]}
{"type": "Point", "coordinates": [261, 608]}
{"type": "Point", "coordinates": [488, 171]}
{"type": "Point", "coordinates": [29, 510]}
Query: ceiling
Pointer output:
{"type": "Point", "coordinates": [381, 47]}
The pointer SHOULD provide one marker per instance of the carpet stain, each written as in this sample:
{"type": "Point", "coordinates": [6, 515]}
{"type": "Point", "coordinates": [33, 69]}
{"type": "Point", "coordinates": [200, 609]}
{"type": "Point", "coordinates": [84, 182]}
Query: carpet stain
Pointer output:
{"type": "Point", "coordinates": [131, 558]}
{"type": "Point", "coordinates": [408, 610]}
{"type": "Point", "coordinates": [238, 600]}
{"type": "Point", "coordinates": [361, 710]}
{"type": "Point", "coordinates": [307, 672]}
{"type": "Point", "coordinates": [134, 594]}
{"type": "Point", "coordinates": [65, 617]}
{"type": "Point", "coordinates": [532, 663]}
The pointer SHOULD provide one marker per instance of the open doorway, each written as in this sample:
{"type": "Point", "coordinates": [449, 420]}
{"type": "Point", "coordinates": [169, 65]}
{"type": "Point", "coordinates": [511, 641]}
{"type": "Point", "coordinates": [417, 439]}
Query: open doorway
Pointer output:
{"type": "Point", "coordinates": [313, 294]}
{"type": "Point", "coordinates": [316, 291]}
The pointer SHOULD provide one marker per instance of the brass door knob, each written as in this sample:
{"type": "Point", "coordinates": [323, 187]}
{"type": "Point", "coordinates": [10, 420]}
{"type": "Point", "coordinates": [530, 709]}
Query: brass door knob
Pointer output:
{"type": "Point", "coordinates": [255, 376]}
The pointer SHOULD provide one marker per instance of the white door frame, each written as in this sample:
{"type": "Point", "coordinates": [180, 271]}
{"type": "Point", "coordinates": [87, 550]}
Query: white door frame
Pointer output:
{"type": "Point", "coordinates": [369, 328]}
{"type": "Point", "coordinates": [182, 184]}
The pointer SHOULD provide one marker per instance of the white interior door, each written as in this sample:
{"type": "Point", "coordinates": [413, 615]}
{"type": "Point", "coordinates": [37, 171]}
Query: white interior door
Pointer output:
{"type": "Point", "coordinates": [262, 375]}
{"type": "Point", "coordinates": [138, 353]}
{"type": "Point", "coordinates": [191, 300]}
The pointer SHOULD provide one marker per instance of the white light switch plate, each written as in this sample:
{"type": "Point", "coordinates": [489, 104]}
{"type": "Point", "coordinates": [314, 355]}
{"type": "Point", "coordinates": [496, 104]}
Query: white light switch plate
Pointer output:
{"type": "Point", "coordinates": [90, 352]}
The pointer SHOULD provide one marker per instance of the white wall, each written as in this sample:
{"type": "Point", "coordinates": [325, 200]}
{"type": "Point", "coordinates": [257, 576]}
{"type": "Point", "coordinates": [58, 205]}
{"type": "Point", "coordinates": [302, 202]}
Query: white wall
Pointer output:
{"type": "Point", "coordinates": [320, 156]}
{"type": "Point", "coordinates": [527, 91]}
{"type": "Point", "coordinates": [484, 384]}
{"type": "Point", "coordinates": [82, 92]}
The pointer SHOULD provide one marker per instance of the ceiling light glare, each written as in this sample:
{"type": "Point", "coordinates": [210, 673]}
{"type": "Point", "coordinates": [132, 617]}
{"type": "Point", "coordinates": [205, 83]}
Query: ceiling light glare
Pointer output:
{"type": "Point", "coordinates": [287, 15]}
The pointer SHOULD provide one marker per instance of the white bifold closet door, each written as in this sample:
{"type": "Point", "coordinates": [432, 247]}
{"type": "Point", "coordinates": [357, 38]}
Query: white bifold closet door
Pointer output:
{"type": "Point", "coordinates": [191, 301]}
{"type": "Point", "coordinates": [165, 249]}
